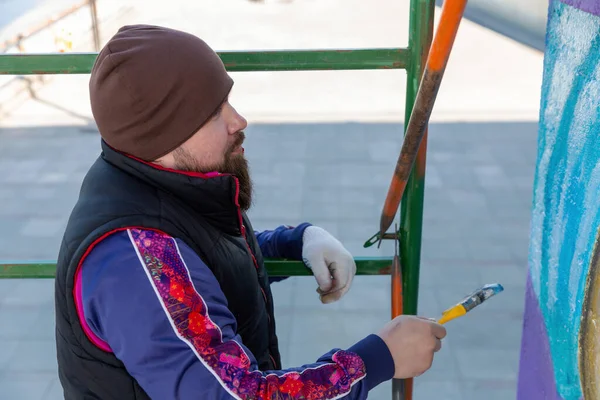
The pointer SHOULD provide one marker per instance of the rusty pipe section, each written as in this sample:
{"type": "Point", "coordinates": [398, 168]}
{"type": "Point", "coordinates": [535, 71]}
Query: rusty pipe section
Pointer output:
{"type": "Point", "coordinates": [401, 388]}
{"type": "Point", "coordinates": [398, 385]}
{"type": "Point", "coordinates": [450, 18]}
{"type": "Point", "coordinates": [397, 305]}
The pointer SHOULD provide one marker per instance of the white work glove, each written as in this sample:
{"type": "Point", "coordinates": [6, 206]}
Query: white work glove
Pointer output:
{"type": "Point", "coordinates": [332, 265]}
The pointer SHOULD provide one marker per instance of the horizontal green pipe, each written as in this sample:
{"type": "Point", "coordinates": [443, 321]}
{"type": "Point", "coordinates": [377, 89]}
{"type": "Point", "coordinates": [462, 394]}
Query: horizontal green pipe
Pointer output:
{"type": "Point", "coordinates": [275, 267]}
{"type": "Point", "coordinates": [235, 61]}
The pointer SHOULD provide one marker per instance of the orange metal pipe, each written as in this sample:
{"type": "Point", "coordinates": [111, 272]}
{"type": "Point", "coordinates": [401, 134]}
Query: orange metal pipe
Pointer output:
{"type": "Point", "coordinates": [404, 391]}
{"type": "Point", "coordinates": [441, 46]}
{"type": "Point", "coordinates": [397, 306]}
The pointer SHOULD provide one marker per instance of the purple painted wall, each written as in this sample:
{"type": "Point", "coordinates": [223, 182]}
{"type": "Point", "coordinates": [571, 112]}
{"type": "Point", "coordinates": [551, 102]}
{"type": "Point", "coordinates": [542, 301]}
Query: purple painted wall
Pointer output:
{"type": "Point", "coordinates": [590, 6]}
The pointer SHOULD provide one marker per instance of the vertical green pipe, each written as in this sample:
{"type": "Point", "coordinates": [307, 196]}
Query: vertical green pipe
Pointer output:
{"type": "Point", "coordinates": [411, 220]}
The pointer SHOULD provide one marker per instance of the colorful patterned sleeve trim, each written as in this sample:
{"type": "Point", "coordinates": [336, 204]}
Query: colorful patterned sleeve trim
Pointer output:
{"type": "Point", "coordinates": [227, 361]}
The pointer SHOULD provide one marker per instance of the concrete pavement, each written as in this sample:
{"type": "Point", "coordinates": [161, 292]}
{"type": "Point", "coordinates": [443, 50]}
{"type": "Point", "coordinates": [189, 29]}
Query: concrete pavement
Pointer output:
{"type": "Point", "coordinates": [475, 232]}
{"type": "Point", "coordinates": [322, 147]}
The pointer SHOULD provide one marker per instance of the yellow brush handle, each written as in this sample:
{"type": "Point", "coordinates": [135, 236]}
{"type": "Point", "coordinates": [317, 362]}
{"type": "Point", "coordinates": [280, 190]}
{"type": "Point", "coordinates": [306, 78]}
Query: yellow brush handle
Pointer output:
{"type": "Point", "coordinates": [452, 313]}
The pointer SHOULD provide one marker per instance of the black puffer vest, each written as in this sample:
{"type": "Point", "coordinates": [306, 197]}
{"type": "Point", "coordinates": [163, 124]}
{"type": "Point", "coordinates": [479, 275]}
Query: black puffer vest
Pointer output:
{"type": "Point", "coordinates": [120, 192]}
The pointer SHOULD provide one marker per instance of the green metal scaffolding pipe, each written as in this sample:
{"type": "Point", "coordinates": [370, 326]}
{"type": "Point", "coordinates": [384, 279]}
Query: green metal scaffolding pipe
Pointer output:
{"type": "Point", "coordinates": [275, 267]}
{"type": "Point", "coordinates": [411, 221]}
{"type": "Point", "coordinates": [235, 61]}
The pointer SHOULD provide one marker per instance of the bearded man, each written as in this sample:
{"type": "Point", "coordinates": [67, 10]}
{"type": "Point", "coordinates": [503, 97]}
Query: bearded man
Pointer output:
{"type": "Point", "coordinates": [161, 287]}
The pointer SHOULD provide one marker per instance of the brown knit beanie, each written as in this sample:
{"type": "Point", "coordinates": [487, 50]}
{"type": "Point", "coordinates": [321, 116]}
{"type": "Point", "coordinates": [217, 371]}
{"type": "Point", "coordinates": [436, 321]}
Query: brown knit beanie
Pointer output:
{"type": "Point", "coordinates": [152, 88]}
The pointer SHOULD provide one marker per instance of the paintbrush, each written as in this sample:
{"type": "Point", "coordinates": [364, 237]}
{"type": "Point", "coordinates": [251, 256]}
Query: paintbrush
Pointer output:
{"type": "Point", "coordinates": [470, 302]}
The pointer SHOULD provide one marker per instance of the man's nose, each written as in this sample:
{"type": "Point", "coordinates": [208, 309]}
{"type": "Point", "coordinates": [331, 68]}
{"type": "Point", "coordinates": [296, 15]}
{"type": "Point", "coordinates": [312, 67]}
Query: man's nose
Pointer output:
{"type": "Point", "coordinates": [243, 124]}
{"type": "Point", "coordinates": [240, 122]}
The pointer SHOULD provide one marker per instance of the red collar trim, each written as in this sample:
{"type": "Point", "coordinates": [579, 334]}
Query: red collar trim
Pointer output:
{"type": "Point", "coordinates": [208, 175]}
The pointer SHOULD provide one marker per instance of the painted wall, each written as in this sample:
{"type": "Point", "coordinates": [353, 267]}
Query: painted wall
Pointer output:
{"type": "Point", "coordinates": [560, 353]}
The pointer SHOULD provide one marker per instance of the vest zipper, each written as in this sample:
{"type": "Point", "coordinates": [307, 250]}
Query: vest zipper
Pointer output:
{"type": "Point", "coordinates": [275, 366]}
{"type": "Point", "coordinates": [243, 229]}
{"type": "Point", "coordinates": [255, 265]}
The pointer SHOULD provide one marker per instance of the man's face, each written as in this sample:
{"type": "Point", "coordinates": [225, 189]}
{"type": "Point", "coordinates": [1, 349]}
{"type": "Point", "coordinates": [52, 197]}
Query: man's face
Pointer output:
{"type": "Point", "coordinates": [217, 146]}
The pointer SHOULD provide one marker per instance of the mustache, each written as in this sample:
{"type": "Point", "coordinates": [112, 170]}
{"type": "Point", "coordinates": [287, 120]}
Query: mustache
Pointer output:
{"type": "Point", "coordinates": [239, 140]}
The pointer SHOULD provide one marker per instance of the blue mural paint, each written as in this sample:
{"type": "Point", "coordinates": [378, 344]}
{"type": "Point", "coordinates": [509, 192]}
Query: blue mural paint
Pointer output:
{"type": "Point", "coordinates": [566, 200]}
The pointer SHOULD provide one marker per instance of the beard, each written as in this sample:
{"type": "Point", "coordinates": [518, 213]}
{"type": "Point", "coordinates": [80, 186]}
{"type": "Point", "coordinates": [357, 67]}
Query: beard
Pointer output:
{"type": "Point", "coordinates": [234, 164]}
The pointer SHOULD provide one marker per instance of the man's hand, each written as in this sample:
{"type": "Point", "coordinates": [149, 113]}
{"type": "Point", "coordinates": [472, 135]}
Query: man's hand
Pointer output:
{"type": "Point", "coordinates": [412, 341]}
{"type": "Point", "coordinates": [332, 265]}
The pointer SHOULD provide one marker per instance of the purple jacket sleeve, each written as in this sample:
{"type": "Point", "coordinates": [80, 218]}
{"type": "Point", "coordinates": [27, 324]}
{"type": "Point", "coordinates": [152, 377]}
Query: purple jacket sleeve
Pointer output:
{"type": "Point", "coordinates": [161, 311]}
{"type": "Point", "coordinates": [282, 242]}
